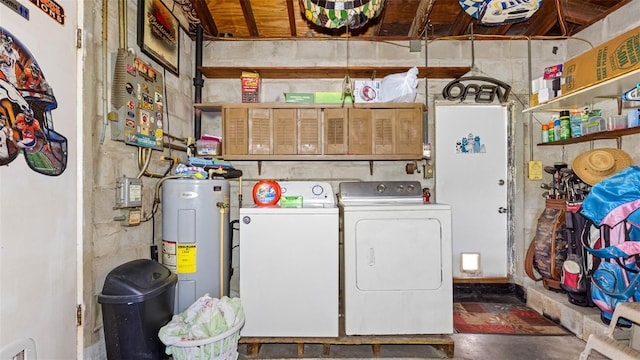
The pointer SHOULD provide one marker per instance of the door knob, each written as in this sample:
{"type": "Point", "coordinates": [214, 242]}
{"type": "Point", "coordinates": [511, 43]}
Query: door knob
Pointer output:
{"type": "Point", "coordinates": [501, 182]}
{"type": "Point", "coordinates": [502, 210]}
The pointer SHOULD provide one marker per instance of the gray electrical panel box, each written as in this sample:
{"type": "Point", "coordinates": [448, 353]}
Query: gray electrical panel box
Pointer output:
{"type": "Point", "coordinates": [128, 192]}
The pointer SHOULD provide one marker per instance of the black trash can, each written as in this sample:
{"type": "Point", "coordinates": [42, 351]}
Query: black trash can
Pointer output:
{"type": "Point", "coordinates": [137, 300]}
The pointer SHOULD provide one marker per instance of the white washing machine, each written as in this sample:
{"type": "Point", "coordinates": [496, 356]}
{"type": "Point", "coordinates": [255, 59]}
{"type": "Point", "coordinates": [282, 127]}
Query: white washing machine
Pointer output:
{"type": "Point", "coordinates": [289, 265]}
{"type": "Point", "coordinates": [397, 260]}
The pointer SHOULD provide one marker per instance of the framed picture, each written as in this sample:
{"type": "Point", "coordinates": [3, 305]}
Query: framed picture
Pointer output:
{"type": "Point", "coordinates": [158, 34]}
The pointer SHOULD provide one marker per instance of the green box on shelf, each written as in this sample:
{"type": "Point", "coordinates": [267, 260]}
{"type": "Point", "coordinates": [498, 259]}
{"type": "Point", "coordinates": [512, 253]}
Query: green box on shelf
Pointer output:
{"type": "Point", "coordinates": [305, 98]}
{"type": "Point", "coordinates": [330, 97]}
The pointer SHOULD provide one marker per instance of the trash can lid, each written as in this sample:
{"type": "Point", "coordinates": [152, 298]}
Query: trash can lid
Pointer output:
{"type": "Point", "coordinates": [136, 281]}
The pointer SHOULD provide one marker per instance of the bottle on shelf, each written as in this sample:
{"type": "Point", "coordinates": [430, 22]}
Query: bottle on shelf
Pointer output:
{"type": "Point", "coordinates": [545, 133]}
{"type": "Point", "coordinates": [565, 125]}
{"type": "Point", "coordinates": [551, 132]}
{"type": "Point", "coordinates": [575, 119]}
{"type": "Point", "coordinates": [556, 129]}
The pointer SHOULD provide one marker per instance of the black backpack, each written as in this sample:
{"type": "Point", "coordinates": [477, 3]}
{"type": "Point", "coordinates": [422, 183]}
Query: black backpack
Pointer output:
{"type": "Point", "coordinates": [580, 264]}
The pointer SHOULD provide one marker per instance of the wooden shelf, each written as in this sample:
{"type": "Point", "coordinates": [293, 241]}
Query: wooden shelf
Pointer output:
{"type": "Point", "coordinates": [613, 134]}
{"type": "Point", "coordinates": [330, 72]}
{"type": "Point", "coordinates": [281, 105]}
{"type": "Point", "coordinates": [294, 157]}
{"type": "Point", "coordinates": [611, 88]}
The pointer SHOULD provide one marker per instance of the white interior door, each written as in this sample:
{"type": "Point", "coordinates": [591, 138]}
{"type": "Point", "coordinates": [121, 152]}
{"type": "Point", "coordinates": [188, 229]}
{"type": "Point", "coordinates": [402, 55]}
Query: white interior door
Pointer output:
{"type": "Point", "coordinates": [471, 175]}
{"type": "Point", "coordinates": [39, 214]}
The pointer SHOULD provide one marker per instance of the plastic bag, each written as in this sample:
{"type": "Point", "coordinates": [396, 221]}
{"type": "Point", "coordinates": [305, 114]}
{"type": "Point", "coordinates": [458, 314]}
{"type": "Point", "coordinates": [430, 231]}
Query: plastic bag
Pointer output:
{"type": "Point", "coordinates": [402, 87]}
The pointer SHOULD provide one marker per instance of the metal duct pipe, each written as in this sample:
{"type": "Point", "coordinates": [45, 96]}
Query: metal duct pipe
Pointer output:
{"type": "Point", "coordinates": [198, 83]}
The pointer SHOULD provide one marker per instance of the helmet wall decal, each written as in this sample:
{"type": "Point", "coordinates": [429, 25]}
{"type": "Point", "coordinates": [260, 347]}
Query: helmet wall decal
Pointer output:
{"type": "Point", "coordinates": [26, 103]}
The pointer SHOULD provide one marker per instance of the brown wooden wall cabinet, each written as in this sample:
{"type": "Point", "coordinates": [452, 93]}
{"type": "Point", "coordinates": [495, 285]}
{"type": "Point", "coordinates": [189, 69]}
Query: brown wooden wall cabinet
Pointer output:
{"type": "Point", "coordinates": [285, 131]}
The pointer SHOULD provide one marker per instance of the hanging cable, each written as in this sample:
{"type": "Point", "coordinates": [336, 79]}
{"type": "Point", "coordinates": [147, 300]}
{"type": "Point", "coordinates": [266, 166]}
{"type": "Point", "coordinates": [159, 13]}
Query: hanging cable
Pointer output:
{"type": "Point", "coordinates": [145, 166]}
{"type": "Point", "coordinates": [346, 84]}
{"type": "Point", "coordinates": [561, 21]}
{"type": "Point", "coordinates": [105, 55]}
{"type": "Point", "coordinates": [156, 197]}
{"type": "Point", "coordinates": [473, 48]}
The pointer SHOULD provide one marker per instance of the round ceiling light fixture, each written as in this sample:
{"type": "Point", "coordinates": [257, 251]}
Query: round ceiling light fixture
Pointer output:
{"type": "Point", "coordinates": [334, 14]}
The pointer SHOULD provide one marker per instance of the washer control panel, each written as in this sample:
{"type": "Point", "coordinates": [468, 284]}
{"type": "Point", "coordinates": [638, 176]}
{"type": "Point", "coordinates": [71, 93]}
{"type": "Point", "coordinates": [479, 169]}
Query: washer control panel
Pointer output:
{"type": "Point", "coordinates": [313, 193]}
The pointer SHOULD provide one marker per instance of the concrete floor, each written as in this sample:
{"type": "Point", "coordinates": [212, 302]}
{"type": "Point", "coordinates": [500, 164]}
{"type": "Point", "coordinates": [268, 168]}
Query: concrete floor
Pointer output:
{"type": "Point", "coordinates": [467, 347]}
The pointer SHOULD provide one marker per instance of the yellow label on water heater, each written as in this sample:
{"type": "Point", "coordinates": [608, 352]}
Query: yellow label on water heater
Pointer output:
{"type": "Point", "coordinates": [186, 258]}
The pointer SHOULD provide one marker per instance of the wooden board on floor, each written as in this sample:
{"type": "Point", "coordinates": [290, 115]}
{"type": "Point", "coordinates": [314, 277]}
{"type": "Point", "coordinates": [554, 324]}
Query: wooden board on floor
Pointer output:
{"type": "Point", "coordinates": [442, 342]}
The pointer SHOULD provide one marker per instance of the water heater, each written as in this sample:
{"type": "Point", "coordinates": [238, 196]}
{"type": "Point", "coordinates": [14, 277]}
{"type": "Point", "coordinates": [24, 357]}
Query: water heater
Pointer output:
{"type": "Point", "coordinates": [196, 243]}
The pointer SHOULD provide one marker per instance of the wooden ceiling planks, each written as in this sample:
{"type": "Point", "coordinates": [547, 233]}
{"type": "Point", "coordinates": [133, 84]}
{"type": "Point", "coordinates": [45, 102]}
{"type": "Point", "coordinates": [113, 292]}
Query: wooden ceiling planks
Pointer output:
{"type": "Point", "coordinates": [395, 15]}
{"type": "Point", "coordinates": [543, 20]}
{"type": "Point", "coordinates": [401, 19]}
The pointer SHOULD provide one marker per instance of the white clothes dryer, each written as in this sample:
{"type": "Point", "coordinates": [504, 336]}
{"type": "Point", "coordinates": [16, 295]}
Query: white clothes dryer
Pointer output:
{"type": "Point", "coordinates": [397, 260]}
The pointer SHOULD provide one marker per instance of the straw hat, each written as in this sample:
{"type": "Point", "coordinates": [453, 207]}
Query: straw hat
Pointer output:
{"type": "Point", "coordinates": [595, 165]}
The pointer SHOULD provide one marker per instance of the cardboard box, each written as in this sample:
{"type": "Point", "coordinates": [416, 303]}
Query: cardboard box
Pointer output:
{"type": "Point", "coordinates": [545, 95]}
{"type": "Point", "coordinates": [302, 98]}
{"type": "Point", "coordinates": [366, 91]}
{"type": "Point", "coordinates": [613, 58]}
{"type": "Point", "coordinates": [552, 72]}
{"type": "Point", "coordinates": [250, 82]}
{"type": "Point", "coordinates": [324, 97]}
{"type": "Point", "coordinates": [541, 83]}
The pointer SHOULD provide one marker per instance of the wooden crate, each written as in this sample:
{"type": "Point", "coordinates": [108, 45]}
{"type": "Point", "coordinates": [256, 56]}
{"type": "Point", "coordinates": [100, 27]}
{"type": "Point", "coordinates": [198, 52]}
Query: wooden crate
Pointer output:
{"type": "Point", "coordinates": [441, 342]}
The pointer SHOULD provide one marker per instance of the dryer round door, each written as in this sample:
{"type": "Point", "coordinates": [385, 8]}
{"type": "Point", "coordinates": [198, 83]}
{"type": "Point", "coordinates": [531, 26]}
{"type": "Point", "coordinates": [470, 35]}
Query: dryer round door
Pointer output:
{"type": "Point", "coordinates": [398, 254]}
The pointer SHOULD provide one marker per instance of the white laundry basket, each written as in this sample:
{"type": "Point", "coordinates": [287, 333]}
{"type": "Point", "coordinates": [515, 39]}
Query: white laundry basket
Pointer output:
{"type": "Point", "coordinates": [220, 347]}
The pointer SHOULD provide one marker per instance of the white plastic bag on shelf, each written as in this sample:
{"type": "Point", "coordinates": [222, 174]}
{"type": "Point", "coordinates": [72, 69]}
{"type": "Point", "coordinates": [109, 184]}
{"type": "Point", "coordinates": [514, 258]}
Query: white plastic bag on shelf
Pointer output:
{"type": "Point", "coordinates": [402, 87]}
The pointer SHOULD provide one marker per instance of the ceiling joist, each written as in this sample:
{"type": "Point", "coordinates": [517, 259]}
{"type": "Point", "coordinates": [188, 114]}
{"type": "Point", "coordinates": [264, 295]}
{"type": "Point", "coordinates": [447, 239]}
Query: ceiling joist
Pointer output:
{"type": "Point", "coordinates": [249, 18]}
{"type": "Point", "coordinates": [419, 23]}
{"type": "Point", "coordinates": [543, 20]}
{"type": "Point", "coordinates": [206, 21]}
{"type": "Point", "coordinates": [461, 23]}
{"type": "Point", "coordinates": [292, 18]}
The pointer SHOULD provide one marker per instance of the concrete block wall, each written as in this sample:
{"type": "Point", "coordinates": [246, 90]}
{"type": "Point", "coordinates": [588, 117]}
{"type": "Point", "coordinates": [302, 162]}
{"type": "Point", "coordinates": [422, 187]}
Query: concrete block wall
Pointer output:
{"type": "Point", "coordinates": [107, 244]}
{"type": "Point", "coordinates": [507, 61]}
{"type": "Point", "coordinates": [618, 22]}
